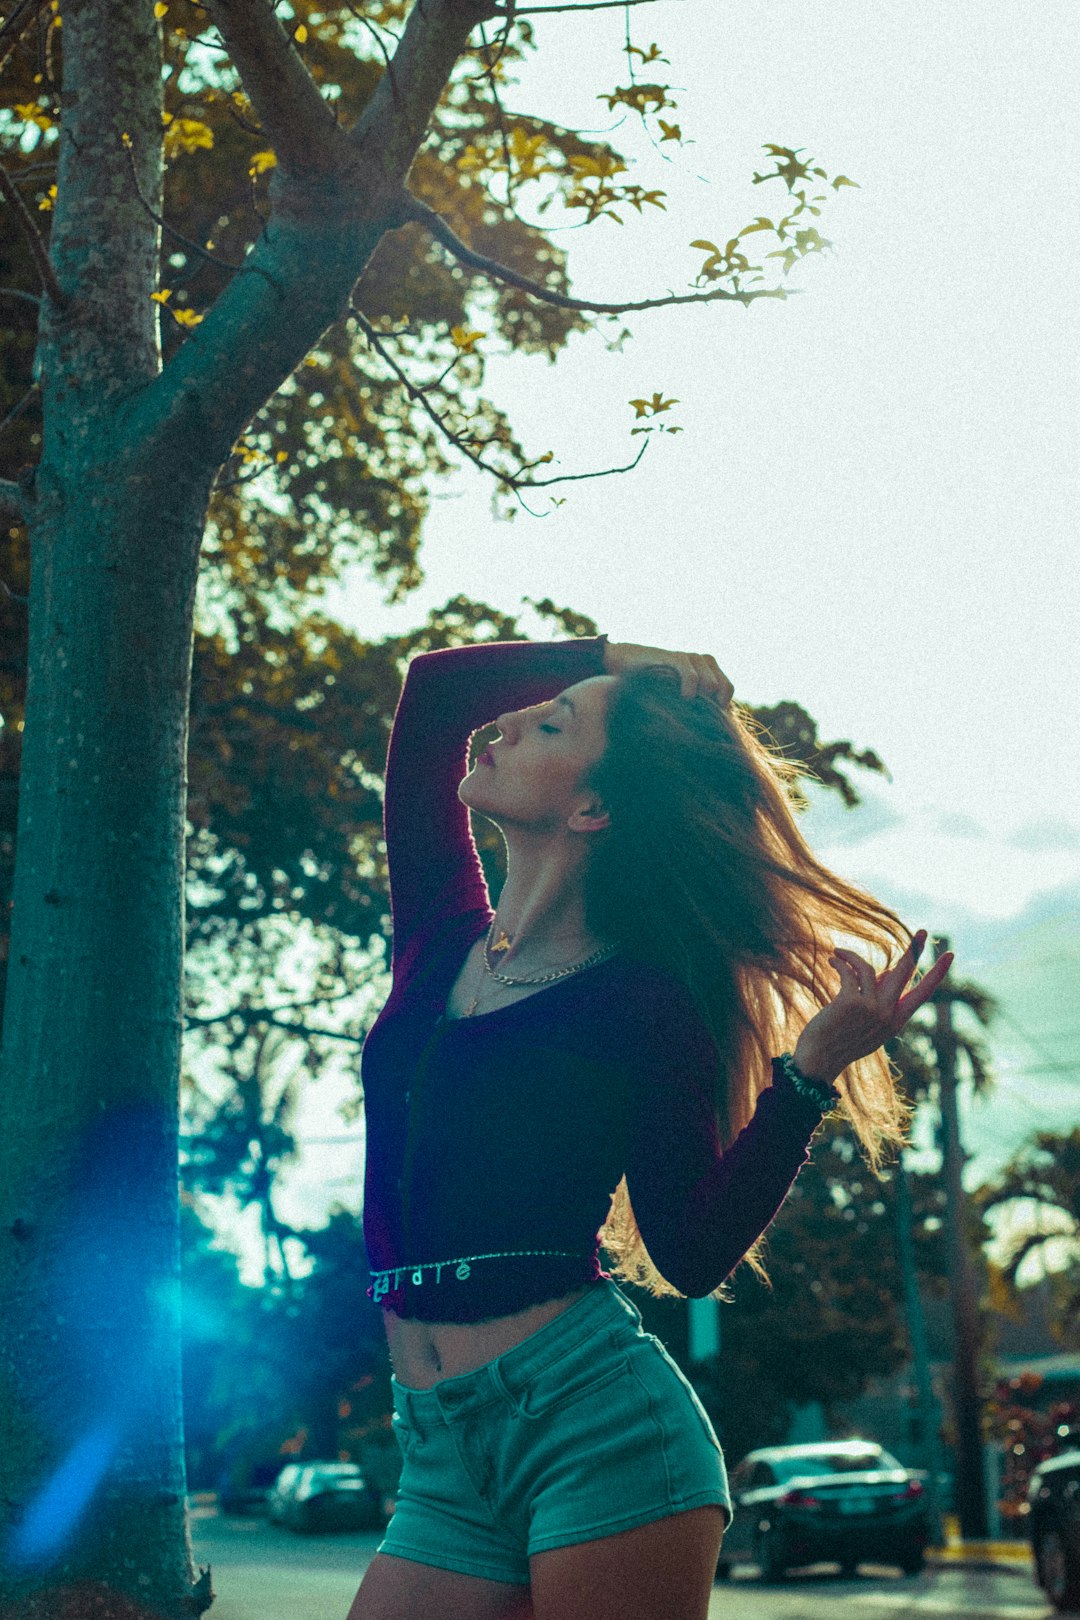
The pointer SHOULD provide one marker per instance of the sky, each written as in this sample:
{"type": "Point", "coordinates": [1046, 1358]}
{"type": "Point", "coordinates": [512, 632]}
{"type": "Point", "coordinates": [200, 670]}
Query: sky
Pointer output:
{"type": "Point", "coordinates": [871, 506]}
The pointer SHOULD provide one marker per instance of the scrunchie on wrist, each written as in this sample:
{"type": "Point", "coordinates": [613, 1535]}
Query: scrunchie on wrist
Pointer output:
{"type": "Point", "coordinates": [819, 1092]}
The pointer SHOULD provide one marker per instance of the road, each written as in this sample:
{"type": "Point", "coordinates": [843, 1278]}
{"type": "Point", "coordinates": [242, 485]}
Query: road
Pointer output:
{"type": "Point", "coordinates": [261, 1572]}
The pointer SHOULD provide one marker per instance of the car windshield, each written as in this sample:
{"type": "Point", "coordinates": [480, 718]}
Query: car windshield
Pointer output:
{"type": "Point", "coordinates": [830, 1462]}
{"type": "Point", "coordinates": [326, 1470]}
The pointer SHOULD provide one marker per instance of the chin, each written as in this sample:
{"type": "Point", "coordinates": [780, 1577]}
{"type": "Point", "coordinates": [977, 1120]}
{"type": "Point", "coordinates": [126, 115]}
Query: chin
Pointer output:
{"type": "Point", "coordinates": [465, 786]}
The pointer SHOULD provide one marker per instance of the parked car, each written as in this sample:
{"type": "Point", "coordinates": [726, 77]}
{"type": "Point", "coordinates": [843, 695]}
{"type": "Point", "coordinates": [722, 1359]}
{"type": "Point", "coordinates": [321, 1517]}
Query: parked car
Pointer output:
{"type": "Point", "coordinates": [844, 1501]}
{"type": "Point", "coordinates": [325, 1496]}
{"type": "Point", "coordinates": [1054, 1526]}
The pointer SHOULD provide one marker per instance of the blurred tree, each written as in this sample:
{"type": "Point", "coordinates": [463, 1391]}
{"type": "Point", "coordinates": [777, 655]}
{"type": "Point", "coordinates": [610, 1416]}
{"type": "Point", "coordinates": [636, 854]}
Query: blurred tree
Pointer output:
{"type": "Point", "coordinates": [268, 1371]}
{"type": "Point", "coordinates": [1032, 1426]}
{"type": "Point", "coordinates": [1039, 1190]}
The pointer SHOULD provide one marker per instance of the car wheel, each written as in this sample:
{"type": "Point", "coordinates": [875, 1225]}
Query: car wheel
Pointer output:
{"type": "Point", "coordinates": [723, 1569]}
{"type": "Point", "coordinates": [847, 1568]}
{"type": "Point", "coordinates": [914, 1562]}
{"type": "Point", "coordinates": [769, 1557]}
{"type": "Point", "coordinates": [1059, 1575]}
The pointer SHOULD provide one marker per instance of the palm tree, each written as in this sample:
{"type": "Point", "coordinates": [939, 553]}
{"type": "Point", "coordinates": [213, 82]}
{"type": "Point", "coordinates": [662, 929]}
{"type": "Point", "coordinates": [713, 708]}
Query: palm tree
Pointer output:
{"type": "Point", "coordinates": [1040, 1187]}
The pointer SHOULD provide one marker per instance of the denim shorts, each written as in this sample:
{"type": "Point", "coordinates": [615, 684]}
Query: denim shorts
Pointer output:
{"type": "Point", "coordinates": [584, 1429]}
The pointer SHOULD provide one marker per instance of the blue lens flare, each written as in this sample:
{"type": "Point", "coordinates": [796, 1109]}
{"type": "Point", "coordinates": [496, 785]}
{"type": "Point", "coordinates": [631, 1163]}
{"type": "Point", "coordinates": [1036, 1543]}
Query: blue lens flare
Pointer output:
{"type": "Point", "coordinates": [54, 1514]}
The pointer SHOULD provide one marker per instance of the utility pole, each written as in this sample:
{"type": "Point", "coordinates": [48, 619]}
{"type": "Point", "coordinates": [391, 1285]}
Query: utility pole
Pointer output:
{"type": "Point", "coordinates": [929, 1413]}
{"type": "Point", "coordinates": [971, 1505]}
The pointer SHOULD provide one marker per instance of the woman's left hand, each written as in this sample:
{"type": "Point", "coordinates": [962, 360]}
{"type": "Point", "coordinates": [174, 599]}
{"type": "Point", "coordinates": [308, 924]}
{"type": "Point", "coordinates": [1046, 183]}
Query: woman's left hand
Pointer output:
{"type": "Point", "coordinates": [868, 1010]}
{"type": "Point", "coordinates": [699, 673]}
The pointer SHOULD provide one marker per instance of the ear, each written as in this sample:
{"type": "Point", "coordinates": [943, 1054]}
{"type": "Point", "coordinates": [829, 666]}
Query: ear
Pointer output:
{"type": "Point", "coordinates": [592, 818]}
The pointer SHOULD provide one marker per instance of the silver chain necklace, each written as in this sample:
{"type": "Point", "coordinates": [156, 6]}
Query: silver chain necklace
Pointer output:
{"type": "Point", "coordinates": [540, 978]}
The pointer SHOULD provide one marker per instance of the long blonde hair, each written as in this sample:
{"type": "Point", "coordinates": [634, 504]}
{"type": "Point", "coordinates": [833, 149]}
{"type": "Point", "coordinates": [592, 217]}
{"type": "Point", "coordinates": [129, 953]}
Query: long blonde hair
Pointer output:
{"type": "Point", "coordinates": [705, 873]}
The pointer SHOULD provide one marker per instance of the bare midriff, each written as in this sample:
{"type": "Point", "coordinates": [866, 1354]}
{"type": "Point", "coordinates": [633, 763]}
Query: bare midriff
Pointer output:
{"type": "Point", "coordinates": [424, 1353]}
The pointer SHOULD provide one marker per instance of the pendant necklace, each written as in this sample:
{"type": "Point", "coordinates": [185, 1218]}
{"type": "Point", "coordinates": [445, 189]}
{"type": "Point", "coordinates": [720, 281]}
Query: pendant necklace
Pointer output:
{"type": "Point", "coordinates": [504, 943]}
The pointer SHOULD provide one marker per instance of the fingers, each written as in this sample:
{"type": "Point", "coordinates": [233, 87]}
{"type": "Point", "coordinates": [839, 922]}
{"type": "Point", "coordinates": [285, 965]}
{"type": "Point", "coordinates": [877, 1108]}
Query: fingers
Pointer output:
{"type": "Point", "coordinates": [897, 976]}
{"type": "Point", "coordinates": [924, 989]}
{"type": "Point", "coordinates": [704, 677]}
{"type": "Point", "coordinates": [859, 974]}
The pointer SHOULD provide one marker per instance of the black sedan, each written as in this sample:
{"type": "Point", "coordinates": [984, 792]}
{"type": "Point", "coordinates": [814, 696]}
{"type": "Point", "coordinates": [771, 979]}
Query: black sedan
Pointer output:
{"type": "Point", "coordinates": [325, 1496]}
{"type": "Point", "coordinates": [1054, 1525]}
{"type": "Point", "coordinates": [841, 1501]}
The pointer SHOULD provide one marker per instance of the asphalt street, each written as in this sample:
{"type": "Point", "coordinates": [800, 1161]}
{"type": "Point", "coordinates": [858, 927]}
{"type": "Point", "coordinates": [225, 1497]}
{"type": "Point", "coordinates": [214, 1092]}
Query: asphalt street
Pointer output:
{"type": "Point", "coordinates": [262, 1572]}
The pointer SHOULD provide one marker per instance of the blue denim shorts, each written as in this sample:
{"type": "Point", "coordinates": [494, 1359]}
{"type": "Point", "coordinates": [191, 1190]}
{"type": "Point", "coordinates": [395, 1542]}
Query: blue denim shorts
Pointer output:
{"type": "Point", "coordinates": [585, 1428]}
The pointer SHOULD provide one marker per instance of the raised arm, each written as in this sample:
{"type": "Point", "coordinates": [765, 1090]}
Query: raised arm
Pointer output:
{"type": "Point", "coordinates": [699, 1206]}
{"type": "Point", "coordinates": [435, 870]}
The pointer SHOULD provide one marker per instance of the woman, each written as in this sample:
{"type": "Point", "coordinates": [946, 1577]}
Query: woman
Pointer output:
{"type": "Point", "coordinates": [598, 1061]}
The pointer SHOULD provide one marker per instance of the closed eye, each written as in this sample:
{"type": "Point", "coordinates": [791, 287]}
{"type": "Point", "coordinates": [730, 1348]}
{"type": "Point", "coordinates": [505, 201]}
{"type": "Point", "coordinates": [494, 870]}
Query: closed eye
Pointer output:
{"type": "Point", "coordinates": [555, 729]}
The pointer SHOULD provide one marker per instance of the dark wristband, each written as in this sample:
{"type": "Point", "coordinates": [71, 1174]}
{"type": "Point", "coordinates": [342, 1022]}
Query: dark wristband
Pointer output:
{"type": "Point", "coordinates": [819, 1092]}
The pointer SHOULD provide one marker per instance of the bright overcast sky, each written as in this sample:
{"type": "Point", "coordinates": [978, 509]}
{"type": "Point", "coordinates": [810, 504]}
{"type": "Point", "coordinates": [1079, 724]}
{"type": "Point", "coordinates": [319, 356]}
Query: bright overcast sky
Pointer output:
{"type": "Point", "coordinates": [872, 506]}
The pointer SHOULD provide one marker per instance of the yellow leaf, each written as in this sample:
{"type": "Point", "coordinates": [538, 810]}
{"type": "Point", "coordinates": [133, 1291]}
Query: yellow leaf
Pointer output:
{"type": "Point", "coordinates": [465, 340]}
{"type": "Point", "coordinates": [34, 113]}
{"type": "Point", "coordinates": [300, 35]}
{"type": "Point", "coordinates": [654, 406]}
{"type": "Point", "coordinates": [49, 199]}
{"type": "Point", "coordinates": [261, 161]}
{"type": "Point", "coordinates": [708, 247]}
{"type": "Point", "coordinates": [672, 132]}
{"type": "Point", "coordinates": [187, 135]}
{"type": "Point", "coordinates": [842, 180]}
{"type": "Point", "coordinates": [186, 317]}
{"type": "Point", "coordinates": [160, 9]}
{"type": "Point", "coordinates": [282, 455]}
{"type": "Point", "coordinates": [163, 296]}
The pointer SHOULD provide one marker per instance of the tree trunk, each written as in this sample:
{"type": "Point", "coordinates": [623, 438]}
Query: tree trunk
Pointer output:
{"type": "Point", "coordinates": [92, 1497]}
{"type": "Point", "coordinates": [91, 1451]}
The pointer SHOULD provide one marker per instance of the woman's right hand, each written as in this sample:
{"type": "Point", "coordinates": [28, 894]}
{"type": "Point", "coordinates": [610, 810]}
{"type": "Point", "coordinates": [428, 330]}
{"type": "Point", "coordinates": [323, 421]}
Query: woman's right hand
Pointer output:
{"type": "Point", "coordinates": [699, 672]}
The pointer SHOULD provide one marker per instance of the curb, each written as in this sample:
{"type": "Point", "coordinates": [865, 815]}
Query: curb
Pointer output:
{"type": "Point", "coordinates": [992, 1555]}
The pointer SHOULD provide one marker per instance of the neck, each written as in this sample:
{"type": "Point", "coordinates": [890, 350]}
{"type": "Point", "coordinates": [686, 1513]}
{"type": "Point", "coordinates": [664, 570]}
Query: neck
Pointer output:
{"type": "Point", "coordinates": [542, 906]}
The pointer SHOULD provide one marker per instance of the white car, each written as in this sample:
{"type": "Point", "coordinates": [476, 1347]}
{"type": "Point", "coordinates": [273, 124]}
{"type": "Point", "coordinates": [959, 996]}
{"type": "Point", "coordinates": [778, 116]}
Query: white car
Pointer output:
{"type": "Point", "coordinates": [324, 1496]}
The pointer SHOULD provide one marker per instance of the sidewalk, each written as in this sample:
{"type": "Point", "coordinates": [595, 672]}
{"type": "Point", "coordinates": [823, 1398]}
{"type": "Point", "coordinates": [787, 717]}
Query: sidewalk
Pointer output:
{"type": "Point", "coordinates": [1014, 1555]}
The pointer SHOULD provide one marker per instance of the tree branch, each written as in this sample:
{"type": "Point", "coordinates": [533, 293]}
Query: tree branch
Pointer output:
{"type": "Point", "coordinates": [299, 124]}
{"type": "Point", "coordinates": [423, 215]}
{"type": "Point", "coordinates": [590, 5]}
{"type": "Point", "coordinates": [14, 27]}
{"type": "Point", "coordinates": [37, 245]}
{"type": "Point", "coordinates": [11, 512]}
{"type": "Point", "coordinates": [328, 217]}
{"type": "Point", "coordinates": [395, 120]}
{"type": "Point", "coordinates": [465, 445]}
